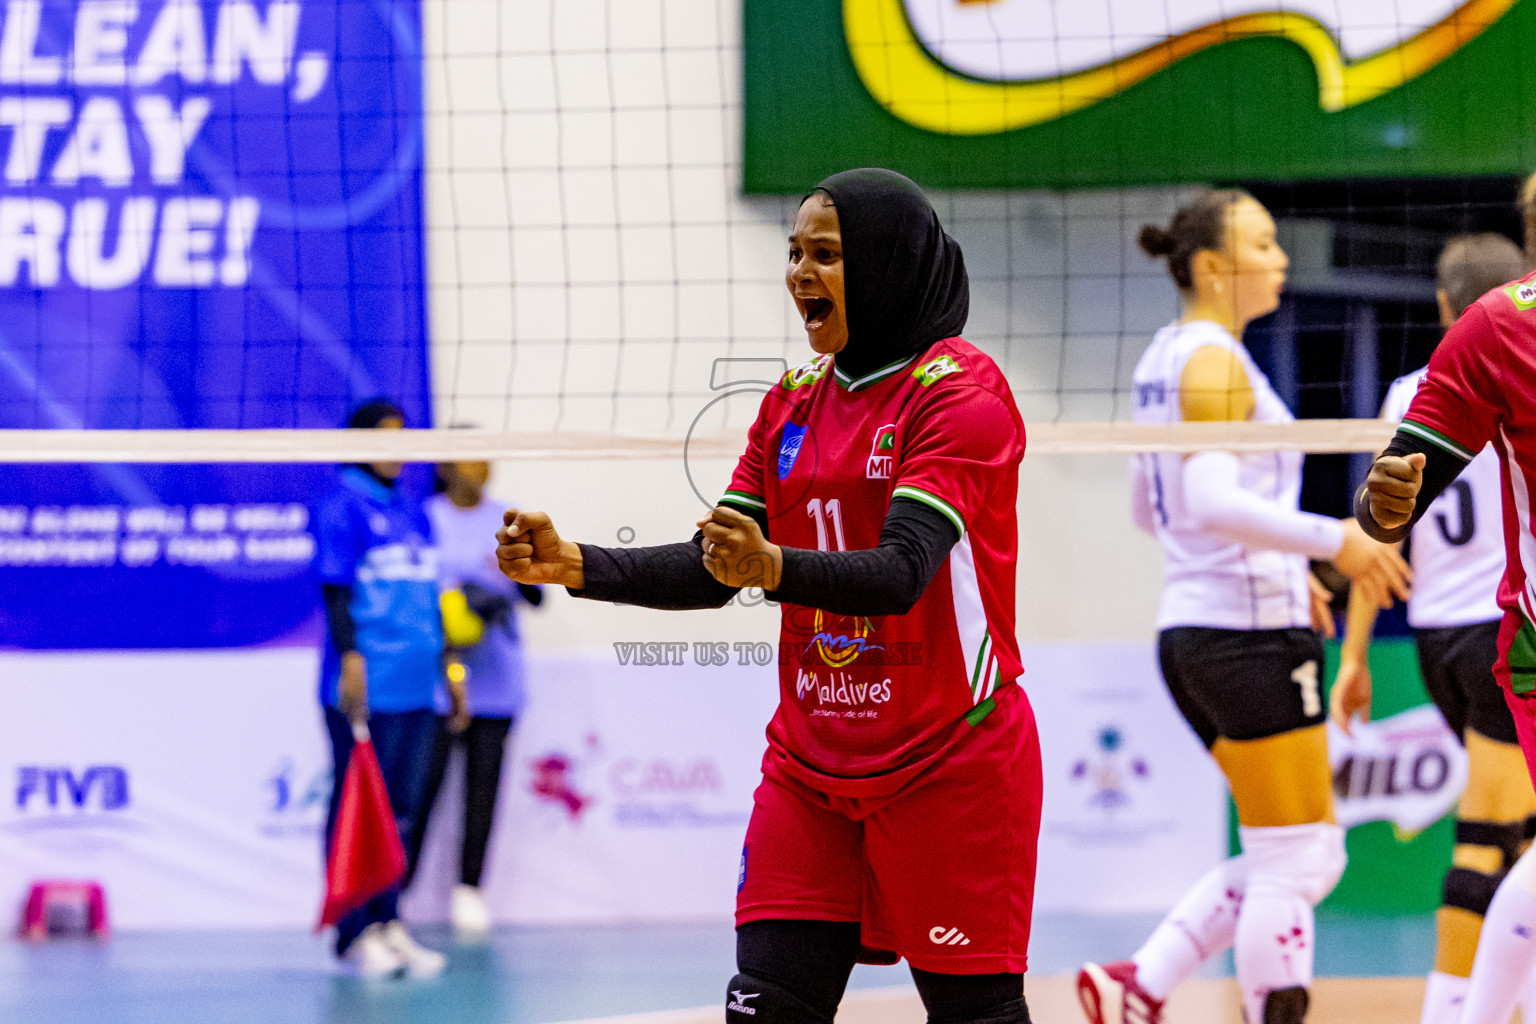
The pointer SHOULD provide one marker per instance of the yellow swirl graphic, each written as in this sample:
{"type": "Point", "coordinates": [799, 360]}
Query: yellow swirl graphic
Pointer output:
{"type": "Point", "coordinates": [909, 83]}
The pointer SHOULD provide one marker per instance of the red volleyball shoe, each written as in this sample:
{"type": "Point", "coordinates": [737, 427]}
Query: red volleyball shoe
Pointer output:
{"type": "Point", "coordinates": [1109, 994]}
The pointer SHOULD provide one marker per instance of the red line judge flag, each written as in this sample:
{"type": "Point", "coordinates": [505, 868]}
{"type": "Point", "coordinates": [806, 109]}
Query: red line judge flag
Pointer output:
{"type": "Point", "coordinates": [366, 856]}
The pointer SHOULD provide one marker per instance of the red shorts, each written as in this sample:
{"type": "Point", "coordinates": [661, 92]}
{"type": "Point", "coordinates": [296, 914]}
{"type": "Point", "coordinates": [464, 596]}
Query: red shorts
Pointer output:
{"type": "Point", "coordinates": [942, 873]}
{"type": "Point", "coordinates": [1522, 708]}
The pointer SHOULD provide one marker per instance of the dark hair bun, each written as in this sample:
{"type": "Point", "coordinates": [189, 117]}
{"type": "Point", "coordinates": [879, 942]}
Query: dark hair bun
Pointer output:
{"type": "Point", "coordinates": [1155, 241]}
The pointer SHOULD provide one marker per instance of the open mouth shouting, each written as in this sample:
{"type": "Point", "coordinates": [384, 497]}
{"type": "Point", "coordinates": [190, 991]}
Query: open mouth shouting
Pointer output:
{"type": "Point", "coordinates": [816, 312]}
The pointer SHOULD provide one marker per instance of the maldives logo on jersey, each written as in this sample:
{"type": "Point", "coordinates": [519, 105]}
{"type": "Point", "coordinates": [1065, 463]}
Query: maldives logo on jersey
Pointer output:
{"type": "Point", "coordinates": [842, 649]}
{"type": "Point", "coordinates": [789, 448]}
{"type": "Point", "coordinates": [881, 453]}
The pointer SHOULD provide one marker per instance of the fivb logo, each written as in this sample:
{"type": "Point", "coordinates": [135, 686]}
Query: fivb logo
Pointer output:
{"type": "Point", "coordinates": [61, 787]}
{"type": "Point", "coordinates": [882, 453]}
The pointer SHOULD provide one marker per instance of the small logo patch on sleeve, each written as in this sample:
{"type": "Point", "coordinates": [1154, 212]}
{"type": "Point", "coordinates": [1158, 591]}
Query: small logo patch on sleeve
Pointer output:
{"type": "Point", "coordinates": [932, 370]}
{"type": "Point", "coordinates": [1522, 295]}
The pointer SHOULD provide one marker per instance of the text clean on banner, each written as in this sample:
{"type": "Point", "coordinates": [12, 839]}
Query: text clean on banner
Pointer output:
{"type": "Point", "coordinates": [210, 217]}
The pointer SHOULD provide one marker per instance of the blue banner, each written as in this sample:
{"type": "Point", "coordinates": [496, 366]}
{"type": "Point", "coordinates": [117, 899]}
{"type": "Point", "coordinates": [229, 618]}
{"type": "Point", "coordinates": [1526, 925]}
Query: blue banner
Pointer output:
{"type": "Point", "coordinates": [210, 217]}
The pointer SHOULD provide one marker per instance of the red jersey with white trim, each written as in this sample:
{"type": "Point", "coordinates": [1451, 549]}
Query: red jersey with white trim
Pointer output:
{"type": "Point", "coordinates": [866, 703]}
{"type": "Point", "coordinates": [1481, 388]}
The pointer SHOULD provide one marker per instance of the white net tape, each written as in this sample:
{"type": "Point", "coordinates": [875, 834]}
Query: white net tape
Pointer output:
{"type": "Point", "coordinates": [327, 446]}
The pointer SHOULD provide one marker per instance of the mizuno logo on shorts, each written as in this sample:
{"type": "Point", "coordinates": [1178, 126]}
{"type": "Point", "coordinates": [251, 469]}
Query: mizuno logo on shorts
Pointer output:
{"type": "Point", "coordinates": [738, 1002]}
{"type": "Point", "coordinates": [941, 936]}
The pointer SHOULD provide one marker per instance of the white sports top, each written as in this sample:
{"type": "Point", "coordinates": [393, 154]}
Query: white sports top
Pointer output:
{"type": "Point", "coordinates": [1209, 579]}
{"type": "Point", "coordinates": [1457, 549]}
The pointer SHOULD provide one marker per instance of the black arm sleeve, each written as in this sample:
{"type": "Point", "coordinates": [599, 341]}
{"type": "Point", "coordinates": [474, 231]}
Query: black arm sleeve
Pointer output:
{"type": "Point", "coordinates": [883, 580]}
{"type": "Point", "coordinates": [1440, 468]}
{"type": "Point", "coordinates": [670, 577]}
{"type": "Point", "coordinates": [338, 616]}
{"type": "Point", "coordinates": [534, 595]}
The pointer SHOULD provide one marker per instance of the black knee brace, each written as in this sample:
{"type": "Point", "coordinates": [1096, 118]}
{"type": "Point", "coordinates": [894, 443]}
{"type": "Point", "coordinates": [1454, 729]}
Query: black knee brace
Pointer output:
{"type": "Point", "coordinates": [972, 998]}
{"type": "Point", "coordinates": [1473, 890]}
{"type": "Point", "coordinates": [1286, 1006]}
{"type": "Point", "coordinates": [791, 972]}
{"type": "Point", "coordinates": [750, 1000]}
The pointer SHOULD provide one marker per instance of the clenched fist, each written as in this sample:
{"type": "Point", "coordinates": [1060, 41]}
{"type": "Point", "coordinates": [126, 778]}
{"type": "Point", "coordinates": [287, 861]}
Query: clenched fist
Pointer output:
{"type": "Point", "coordinates": [528, 550]}
{"type": "Point", "coordinates": [736, 553]}
{"type": "Point", "coordinates": [1392, 489]}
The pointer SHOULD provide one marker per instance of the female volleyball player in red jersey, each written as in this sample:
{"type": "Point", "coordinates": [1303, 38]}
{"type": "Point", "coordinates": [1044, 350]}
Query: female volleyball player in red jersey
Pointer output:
{"type": "Point", "coordinates": [876, 502]}
{"type": "Point", "coordinates": [1480, 388]}
{"type": "Point", "coordinates": [1237, 644]}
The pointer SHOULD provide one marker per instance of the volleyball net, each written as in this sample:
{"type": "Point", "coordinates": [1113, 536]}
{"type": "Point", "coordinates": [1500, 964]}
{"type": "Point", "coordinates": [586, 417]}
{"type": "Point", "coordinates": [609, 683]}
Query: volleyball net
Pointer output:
{"type": "Point", "coordinates": [560, 227]}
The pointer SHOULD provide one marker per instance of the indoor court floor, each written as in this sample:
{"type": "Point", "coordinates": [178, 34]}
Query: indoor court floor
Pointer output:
{"type": "Point", "coordinates": [656, 974]}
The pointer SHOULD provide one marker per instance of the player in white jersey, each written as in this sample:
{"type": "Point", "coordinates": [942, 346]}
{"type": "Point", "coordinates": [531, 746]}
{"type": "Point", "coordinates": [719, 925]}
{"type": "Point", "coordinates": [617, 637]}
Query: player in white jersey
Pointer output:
{"type": "Point", "coordinates": [1238, 646]}
{"type": "Point", "coordinates": [1458, 558]}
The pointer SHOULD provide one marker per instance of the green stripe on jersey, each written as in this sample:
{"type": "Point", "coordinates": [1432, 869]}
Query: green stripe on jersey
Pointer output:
{"type": "Point", "coordinates": [874, 377]}
{"type": "Point", "coordinates": [981, 711]}
{"type": "Point", "coordinates": [1436, 438]}
{"type": "Point", "coordinates": [744, 499]}
{"type": "Point", "coordinates": [932, 501]}
{"type": "Point", "coordinates": [981, 662]}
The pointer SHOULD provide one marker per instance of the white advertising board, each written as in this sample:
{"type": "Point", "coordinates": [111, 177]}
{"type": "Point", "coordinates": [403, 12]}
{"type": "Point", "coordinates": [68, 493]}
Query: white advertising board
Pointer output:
{"type": "Point", "coordinates": [193, 785]}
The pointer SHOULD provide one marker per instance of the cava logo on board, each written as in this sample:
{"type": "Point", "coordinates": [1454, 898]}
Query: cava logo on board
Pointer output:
{"type": "Point", "coordinates": [978, 67]}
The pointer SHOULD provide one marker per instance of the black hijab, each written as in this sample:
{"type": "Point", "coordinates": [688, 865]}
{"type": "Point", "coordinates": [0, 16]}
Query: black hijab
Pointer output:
{"type": "Point", "coordinates": [904, 279]}
{"type": "Point", "coordinates": [367, 417]}
{"type": "Point", "coordinates": [373, 412]}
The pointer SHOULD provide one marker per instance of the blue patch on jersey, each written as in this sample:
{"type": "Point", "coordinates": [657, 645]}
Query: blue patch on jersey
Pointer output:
{"type": "Point", "coordinates": [789, 448]}
{"type": "Point", "coordinates": [741, 879]}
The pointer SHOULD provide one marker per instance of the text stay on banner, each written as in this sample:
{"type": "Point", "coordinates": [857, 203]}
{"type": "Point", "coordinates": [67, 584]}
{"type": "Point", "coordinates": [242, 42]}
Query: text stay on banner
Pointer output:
{"type": "Point", "coordinates": [210, 217]}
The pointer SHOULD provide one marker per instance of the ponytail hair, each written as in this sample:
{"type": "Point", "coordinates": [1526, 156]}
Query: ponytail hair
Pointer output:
{"type": "Point", "coordinates": [1199, 225]}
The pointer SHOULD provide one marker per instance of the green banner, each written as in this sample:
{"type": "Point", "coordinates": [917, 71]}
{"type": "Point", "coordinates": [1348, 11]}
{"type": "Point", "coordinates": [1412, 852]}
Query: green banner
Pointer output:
{"type": "Point", "coordinates": [1003, 94]}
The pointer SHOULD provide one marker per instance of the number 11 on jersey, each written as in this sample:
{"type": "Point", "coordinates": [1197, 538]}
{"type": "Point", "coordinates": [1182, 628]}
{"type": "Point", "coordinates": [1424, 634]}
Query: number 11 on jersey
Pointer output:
{"type": "Point", "coordinates": [822, 513]}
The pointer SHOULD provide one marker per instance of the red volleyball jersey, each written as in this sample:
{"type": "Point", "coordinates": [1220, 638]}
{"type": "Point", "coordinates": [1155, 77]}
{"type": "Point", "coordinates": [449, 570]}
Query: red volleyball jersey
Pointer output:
{"type": "Point", "coordinates": [866, 703]}
{"type": "Point", "coordinates": [1481, 387]}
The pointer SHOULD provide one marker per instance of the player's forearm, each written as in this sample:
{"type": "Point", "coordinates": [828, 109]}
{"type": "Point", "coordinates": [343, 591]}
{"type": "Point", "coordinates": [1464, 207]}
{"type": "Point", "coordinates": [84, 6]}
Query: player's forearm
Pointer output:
{"type": "Point", "coordinates": [338, 616]}
{"type": "Point", "coordinates": [1141, 502]}
{"type": "Point", "coordinates": [1359, 626]}
{"type": "Point", "coordinates": [884, 580]}
{"type": "Point", "coordinates": [1218, 504]}
{"type": "Point", "coordinates": [670, 577]}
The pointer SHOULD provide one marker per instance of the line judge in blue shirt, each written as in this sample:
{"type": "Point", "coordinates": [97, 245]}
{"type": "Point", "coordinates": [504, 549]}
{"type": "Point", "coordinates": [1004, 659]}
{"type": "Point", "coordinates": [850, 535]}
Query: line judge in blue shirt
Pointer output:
{"type": "Point", "coordinates": [383, 662]}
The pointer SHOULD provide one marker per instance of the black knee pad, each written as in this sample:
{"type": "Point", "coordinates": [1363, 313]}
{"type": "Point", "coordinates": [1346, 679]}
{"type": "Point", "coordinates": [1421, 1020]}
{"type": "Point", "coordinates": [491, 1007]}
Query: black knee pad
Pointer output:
{"type": "Point", "coordinates": [972, 998]}
{"type": "Point", "coordinates": [1286, 1006]}
{"type": "Point", "coordinates": [750, 1000]}
{"type": "Point", "coordinates": [1469, 890]}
